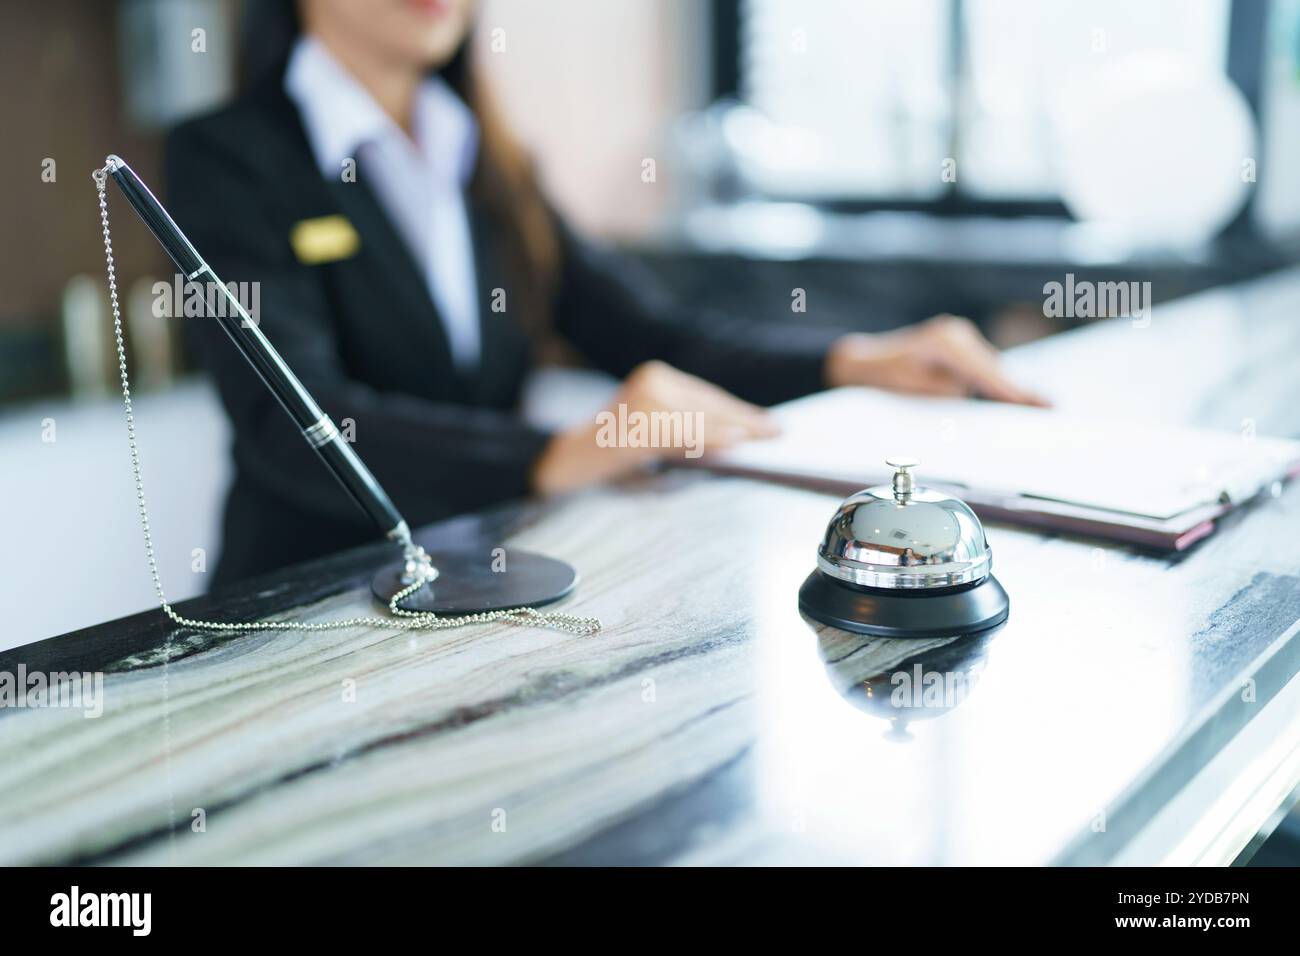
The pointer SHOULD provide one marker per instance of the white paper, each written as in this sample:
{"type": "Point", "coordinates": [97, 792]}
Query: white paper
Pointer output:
{"type": "Point", "coordinates": [1115, 464]}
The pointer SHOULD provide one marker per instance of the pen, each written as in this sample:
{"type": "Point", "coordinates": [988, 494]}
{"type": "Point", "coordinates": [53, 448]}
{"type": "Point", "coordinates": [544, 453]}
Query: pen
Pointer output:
{"type": "Point", "coordinates": [317, 428]}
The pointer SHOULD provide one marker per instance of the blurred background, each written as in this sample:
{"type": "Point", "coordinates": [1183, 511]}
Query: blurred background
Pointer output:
{"type": "Point", "coordinates": [894, 160]}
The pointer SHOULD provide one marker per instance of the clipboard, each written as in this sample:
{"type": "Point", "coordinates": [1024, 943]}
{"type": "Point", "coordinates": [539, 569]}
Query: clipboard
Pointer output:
{"type": "Point", "coordinates": [1127, 480]}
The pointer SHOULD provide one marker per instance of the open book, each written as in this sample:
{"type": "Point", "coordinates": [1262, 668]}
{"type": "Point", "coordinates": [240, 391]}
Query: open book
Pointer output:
{"type": "Point", "coordinates": [1148, 484]}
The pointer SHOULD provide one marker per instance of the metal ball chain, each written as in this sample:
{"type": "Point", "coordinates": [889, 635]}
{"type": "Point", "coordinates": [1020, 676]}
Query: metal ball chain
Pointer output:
{"type": "Point", "coordinates": [402, 618]}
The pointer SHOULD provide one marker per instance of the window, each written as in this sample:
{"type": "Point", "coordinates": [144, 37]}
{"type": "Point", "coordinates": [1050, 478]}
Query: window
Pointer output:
{"type": "Point", "coordinates": [866, 99]}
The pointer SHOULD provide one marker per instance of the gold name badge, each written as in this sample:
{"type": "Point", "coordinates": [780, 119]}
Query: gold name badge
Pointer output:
{"type": "Point", "coordinates": [324, 239]}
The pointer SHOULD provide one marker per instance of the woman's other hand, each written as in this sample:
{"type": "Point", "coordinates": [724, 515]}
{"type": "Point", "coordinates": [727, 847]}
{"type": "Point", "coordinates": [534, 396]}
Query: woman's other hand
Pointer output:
{"type": "Point", "coordinates": [945, 355]}
{"type": "Point", "coordinates": [710, 419]}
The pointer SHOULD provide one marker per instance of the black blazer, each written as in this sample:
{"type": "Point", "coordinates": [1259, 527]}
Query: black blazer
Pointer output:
{"type": "Point", "coordinates": [363, 335]}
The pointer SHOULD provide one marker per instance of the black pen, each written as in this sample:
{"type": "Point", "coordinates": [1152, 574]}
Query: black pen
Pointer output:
{"type": "Point", "coordinates": [320, 432]}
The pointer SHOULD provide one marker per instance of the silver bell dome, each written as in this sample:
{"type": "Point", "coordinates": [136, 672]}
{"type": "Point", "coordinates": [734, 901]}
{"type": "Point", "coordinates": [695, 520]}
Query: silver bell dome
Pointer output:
{"type": "Point", "coordinates": [901, 535]}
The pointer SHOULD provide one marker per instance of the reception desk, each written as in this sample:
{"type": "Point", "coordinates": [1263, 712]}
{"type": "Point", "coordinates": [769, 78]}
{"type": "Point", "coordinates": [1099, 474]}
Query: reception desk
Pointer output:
{"type": "Point", "coordinates": [1136, 707]}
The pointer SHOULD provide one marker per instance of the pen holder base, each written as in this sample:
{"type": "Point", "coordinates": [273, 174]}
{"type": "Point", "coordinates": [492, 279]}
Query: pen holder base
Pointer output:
{"type": "Point", "coordinates": [471, 582]}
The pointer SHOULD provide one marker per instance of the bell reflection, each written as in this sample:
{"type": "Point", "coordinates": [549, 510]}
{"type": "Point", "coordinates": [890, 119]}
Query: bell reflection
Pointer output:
{"type": "Point", "coordinates": [890, 680]}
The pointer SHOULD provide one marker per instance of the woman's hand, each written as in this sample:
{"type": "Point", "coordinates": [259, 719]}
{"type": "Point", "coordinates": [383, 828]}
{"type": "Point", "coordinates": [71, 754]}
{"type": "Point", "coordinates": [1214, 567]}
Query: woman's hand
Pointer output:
{"type": "Point", "coordinates": [711, 419]}
{"type": "Point", "coordinates": [945, 355]}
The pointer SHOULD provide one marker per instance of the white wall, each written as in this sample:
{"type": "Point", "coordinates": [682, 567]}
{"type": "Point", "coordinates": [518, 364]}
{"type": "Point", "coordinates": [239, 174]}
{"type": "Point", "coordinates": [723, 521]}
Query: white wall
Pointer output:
{"type": "Point", "coordinates": [593, 87]}
{"type": "Point", "coordinates": [73, 554]}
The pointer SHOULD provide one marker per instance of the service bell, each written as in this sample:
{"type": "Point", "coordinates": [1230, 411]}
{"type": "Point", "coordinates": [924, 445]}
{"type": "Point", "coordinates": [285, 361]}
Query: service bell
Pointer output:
{"type": "Point", "coordinates": [900, 560]}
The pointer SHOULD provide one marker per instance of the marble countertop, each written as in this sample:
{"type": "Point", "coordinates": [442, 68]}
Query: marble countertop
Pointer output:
{"type": "Point", "coordinates": [709, 722]}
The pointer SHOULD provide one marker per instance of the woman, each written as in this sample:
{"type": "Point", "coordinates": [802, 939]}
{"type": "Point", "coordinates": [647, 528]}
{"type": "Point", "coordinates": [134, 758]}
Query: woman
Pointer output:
{"type": "Point", "coordinates": [410, 270]}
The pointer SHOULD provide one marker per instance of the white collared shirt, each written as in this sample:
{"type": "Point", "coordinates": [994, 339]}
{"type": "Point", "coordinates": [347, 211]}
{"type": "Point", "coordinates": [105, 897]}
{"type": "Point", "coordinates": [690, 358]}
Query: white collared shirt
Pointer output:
{"type": "Point", "coordinates": [420, 184]}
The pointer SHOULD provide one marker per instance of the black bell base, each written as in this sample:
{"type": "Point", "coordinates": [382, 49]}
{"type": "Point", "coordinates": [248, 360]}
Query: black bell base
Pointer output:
{"type": "Point", "coordinates": [965, 609]}
{"type": "Point", "coordinates": [467, 583]}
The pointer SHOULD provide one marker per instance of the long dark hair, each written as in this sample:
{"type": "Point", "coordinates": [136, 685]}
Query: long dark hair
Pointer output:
{"type": "Point", "coordinates": [504, 182]}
